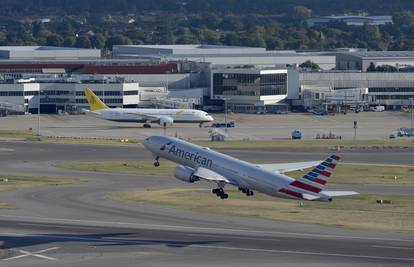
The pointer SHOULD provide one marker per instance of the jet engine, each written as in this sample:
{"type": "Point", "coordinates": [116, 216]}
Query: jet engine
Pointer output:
{"type": "Point", "coordinates": [166, 121]}
{"type": "Point", "coordinates": [185, 174]}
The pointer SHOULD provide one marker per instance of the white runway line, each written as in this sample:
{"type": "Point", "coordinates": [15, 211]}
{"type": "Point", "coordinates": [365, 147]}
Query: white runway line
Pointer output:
{"type": "Point", "coordinates": [183, 228]}
{"type": "Point", "coordinates": [392, 247]}
{"type": "Point", "coordinates": [303, 253]}
{"type": "Point", "coordinates": [36, 254]}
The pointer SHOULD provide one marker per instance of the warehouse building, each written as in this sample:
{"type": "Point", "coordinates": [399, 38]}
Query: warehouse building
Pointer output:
{"type": "Point", "coordinates": [361, 59]}
{"type": "Point", "coordinates": [219, 56]}
{"type": "Point", "coordinates": [351, 20]}
{"type": "Point", "coordinates": [391, 89]}
{"type": "Point", "coordinates": [47, 52]}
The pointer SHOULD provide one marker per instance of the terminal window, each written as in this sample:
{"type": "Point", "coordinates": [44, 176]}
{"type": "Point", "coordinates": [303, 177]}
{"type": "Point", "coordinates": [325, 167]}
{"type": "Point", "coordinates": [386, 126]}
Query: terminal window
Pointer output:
{"type": "Point", "coordinates": [249, 84]}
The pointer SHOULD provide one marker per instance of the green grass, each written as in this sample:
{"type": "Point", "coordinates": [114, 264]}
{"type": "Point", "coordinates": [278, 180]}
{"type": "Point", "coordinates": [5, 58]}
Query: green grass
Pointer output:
{"type": "Point", "coordinates": [358, 212]}
{"type": "Point", "coordinates": [137, 167]}
{"type": "Point", "coordinates": [15, 135]}
{"type": "Point", "coordinates": [232, 144]}
{"type": "Point", "coordinates": [346, 173]}
{"type": "Point", "coordinates": [21, 182]}
{"type": "Point", "coordinates": [343, 174]}
{"type": "Point", "coordinates": [30, 136]}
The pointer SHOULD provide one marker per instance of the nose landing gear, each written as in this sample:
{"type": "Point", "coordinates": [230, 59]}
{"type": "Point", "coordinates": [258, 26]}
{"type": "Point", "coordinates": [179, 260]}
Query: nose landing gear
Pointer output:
{"type": "Point", "coordinates": [156, 162]}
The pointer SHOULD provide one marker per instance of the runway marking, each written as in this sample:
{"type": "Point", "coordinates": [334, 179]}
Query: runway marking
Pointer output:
{"type": "Point", "coordinates": [78, 238]}
{"type": "Point", "coordinates": [133, 242]}
{"type": "Point", "coordinates": [303, 253]}
{"type": "Point", "coordinates": [179, 227]}
{"type": "Point", "coordinates": [33, 254]}
{"type": "Point", "coordinates": [392, 247]}
{"type": "Point", "coordinates": [238, 237]}
{"type": "Point", "coordinates": [60, 226]}
{"type": "Point", "coordinates": [3, 149]}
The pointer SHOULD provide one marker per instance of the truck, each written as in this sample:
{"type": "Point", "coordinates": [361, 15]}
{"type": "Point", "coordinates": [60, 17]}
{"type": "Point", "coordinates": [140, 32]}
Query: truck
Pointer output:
{"type": "Point", "coordinates": [377, 108]}
{"type": "Point", "coordinates": [223, 124]}
{"type": "Point", "coordinates": [296, 134]}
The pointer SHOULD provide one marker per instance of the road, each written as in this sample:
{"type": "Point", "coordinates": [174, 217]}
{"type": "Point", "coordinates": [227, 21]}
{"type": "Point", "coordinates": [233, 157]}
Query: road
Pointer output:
{"type": "Point", "coordinates": [79, 225]}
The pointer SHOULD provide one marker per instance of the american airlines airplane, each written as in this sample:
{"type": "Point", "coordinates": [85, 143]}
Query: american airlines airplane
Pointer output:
{"type": "Point", "coordinates": [201, 163]}
{"type": "Point", "coordinates": [164, 117]}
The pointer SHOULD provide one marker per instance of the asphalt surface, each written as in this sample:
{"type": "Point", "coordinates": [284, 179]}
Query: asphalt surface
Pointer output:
{"type": "Point", "coordinates": [78, 225]}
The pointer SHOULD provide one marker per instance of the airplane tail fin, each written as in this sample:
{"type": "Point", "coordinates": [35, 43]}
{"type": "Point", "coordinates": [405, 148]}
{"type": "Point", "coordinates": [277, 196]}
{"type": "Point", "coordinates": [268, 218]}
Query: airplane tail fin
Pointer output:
{"type": "Point", "coordinates": [94, 102]}
{"type": "Point", "coordinates": [313, 182]}
{"type": "Point", "coordinates": [321, 173]}
{"type": "Point", "coordinates": [310, 186]}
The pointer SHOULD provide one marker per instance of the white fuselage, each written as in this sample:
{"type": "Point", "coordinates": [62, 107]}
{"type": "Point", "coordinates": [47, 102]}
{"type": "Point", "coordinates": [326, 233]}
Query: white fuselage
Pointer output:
{"type": "Point", "coordinates": [238, 172]}
{"type": "Point", "coordinates": [153, 115]}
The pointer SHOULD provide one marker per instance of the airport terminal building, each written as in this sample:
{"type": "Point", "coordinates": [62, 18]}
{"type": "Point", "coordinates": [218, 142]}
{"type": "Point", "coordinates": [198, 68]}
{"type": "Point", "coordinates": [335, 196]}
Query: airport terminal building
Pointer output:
{"type": "Point", "coordinates": [250, 90]}
{"type": "Point", "coordinates": [391, 89]}
{"type": "Point", "coordinates": [208, 77]}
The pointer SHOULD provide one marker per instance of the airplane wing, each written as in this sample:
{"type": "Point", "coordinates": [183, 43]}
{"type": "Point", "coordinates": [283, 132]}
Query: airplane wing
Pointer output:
{"type": "Point", "coordinates": [210, 175]}
{"type": "Point", "coordinates": [288, 167]}
{"type": "Point", "coordinates": [339, 193]}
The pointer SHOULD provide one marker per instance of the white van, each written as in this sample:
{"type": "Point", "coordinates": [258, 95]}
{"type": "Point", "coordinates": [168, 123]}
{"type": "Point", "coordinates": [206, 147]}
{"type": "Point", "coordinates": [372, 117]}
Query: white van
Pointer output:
{"type": "Point", "coordinates": [377, 108]}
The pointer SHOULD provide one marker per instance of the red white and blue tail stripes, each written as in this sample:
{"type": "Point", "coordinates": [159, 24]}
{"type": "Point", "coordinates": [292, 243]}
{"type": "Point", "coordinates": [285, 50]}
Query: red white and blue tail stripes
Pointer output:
{"type": "Point", "coordinates": [312, 183]}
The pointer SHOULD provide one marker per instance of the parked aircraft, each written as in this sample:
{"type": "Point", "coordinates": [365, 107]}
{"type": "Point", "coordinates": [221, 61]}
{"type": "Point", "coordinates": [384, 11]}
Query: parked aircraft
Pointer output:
{"type": "Point", "coordinates": [201, 163]}
{"type": "Point", "coordinates": [164, 117]}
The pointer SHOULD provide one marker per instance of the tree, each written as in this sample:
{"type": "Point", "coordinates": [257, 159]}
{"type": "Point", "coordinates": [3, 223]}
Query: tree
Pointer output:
{"type": "Point", "coordinates": [300, 13]}
{"type": "Point", "coordinates": [54, 40]}
{"type": "Point", "coordinates": [405, 18]}
{"type": "Point", "coordinates": [309, 65]}
{"type": "Point", "coordinates": [98, 41]}
{"type": "Point", "coordinates": [83, 42]}
{"type": "Point", "coordinates": [117, 40]}
{"type": "Point", "coordinates": [382, 68]}
{"type": "Point", "coordinates": [69, 41]}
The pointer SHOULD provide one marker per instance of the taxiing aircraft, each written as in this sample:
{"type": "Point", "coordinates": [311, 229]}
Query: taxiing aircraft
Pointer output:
{"type": "Point", "coordinates": [164, 117]}
{"type": "Point", "coordinates": [201, 163]}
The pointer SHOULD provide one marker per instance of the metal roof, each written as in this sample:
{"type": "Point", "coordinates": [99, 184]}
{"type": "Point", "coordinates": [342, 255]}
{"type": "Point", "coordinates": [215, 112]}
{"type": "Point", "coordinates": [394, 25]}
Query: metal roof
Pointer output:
{"type": "Point", "coordinates": [381, 54]}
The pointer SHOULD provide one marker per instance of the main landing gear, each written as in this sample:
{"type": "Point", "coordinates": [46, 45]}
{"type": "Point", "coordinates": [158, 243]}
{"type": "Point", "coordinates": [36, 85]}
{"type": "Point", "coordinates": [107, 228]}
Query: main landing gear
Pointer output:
{"type": "Point", "coordinates": [220, 193]}
{"type": "Point", "coordinates": [248, 192]}
{"type": "Point", "coordinates": [147, 125]}
{"type": "Point", "coordinates": [156, 162]}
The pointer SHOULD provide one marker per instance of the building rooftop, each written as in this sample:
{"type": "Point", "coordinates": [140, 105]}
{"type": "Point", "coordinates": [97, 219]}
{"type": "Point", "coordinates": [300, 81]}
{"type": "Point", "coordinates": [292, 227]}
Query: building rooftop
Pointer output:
{"type": "Point", "coordinates": [381, 54]}
{"type": "Point", "coordinates": [40, 48]}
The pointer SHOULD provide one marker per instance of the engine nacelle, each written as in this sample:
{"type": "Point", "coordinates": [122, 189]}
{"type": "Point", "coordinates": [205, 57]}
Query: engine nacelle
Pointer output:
{"type": "Point", "coordinates": [185, 174]}
{"type": "Point", "coordinates": [166, 121]}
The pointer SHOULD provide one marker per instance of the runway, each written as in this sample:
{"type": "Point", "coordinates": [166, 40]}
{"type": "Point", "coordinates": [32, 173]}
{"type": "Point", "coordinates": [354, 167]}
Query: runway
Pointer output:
{"type": "Point", "coordinates": [195, 246]}
{"type": "Point", "coordinates": [79, 225]}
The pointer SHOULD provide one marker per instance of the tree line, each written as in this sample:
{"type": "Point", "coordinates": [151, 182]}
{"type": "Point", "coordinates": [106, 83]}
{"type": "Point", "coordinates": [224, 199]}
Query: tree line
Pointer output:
{"type": "Point", "coordinates": [275, 7]}
{"type": "Point", "coordinates": [154, 23]}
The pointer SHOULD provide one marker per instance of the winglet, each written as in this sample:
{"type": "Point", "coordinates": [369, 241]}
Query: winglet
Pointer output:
{"type": "Point", "coordinates": [94, 102]}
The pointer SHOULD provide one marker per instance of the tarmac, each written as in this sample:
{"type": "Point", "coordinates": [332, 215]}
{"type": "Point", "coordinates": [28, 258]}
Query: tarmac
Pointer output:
{"type": "Point", "coordinates": [78, 225]}
{"type": "Point", "coordinates": [370, 125]}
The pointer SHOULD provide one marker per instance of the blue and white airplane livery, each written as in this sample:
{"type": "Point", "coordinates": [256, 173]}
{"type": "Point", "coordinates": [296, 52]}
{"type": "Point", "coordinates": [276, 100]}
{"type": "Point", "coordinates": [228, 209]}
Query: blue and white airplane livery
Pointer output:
{"type": "Point", "coordinates": [201, 163]}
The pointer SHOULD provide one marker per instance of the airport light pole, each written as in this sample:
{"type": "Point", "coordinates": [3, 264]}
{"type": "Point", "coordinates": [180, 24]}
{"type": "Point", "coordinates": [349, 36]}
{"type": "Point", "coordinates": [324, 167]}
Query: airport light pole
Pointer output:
{"type": "Point", "coordinates": [412, 100]}
{"type": "Point", "coordinates": [103, 89]}
{"type": "Point", "coordinates": [225, 113]}
{"type": "Point", "coordinates": [38, 112]}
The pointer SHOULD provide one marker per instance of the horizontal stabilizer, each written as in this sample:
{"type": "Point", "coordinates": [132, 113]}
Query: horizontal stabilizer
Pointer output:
{"type": "Point", "coordinates": [339, 193]}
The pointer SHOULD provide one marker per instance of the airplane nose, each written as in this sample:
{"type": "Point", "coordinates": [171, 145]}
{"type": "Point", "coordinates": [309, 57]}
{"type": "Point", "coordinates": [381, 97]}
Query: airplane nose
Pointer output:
{"type": "Point", "coordinates": [147, 141]}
